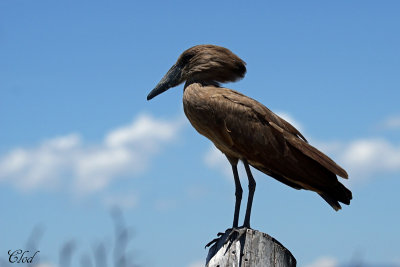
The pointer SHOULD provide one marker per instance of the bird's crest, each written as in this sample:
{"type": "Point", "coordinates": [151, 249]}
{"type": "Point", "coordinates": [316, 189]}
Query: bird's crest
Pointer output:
{"type": "Point", "coordinates": [211, 63]}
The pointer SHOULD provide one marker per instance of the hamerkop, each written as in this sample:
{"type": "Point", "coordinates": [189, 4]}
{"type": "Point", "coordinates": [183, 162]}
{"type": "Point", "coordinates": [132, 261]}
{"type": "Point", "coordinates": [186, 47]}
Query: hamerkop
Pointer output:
{"type": "Point", "coordinates": [244, 129]}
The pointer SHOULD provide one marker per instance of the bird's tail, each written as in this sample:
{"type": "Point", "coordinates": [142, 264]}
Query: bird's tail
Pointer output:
{"type": "Point", "coordinates": [339, 194]}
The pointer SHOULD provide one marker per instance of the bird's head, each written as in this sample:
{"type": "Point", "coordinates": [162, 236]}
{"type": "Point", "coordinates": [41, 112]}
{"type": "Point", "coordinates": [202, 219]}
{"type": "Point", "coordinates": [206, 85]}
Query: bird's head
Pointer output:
{"type": "Point", "coordinates": [202, 63]}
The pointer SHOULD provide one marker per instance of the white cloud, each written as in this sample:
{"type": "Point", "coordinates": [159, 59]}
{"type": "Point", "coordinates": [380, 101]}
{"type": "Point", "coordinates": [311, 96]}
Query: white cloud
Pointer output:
{"type": "Point", "coordinates": [215, 159]}
{"type": "Point", "coordinates": [67, 160]}
{"type": "Point", "coordinates": [365, 158]}
{"type": "Point", "coordinates": [289, 118]}
{"type": "Point", "coordinates": [324, 262]}
{"type": "Point", "coordinates": [30, 168]}
{"type": "Point", "coordinates": [367, 155]}
{"type": "Point", "coordinates": [144, 129]}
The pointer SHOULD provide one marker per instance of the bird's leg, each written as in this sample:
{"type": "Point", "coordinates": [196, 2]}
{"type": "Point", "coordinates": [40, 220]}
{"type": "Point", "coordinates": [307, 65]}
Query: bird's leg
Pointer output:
{"type": "Point", "coordinates": [238, 195]}
{"type": "Point", "coordinates": [252, 188]}
{"type": "Point", "coordinates": [236, 233]}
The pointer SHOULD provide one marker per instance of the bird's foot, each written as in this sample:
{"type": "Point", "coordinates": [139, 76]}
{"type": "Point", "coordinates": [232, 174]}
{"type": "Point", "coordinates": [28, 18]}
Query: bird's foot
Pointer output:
{"type": "Point", "coordinates": [234, 235]}
{"type": "Point", "coordinates": [215, 240]}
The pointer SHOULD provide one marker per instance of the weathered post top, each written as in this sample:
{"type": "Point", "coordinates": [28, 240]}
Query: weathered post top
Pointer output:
{"type": "Point", "coordinates": [253, 249]}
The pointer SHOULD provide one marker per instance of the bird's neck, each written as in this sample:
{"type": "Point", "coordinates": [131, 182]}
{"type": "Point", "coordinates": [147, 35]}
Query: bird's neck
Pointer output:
{"type": "Point", "coordinates": [203, 83]}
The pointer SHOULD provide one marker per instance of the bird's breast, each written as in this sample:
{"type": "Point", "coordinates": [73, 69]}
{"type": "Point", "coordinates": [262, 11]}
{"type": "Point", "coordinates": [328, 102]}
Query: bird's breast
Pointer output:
{"type": "Point", "coordinates": [201, 112]}
{"type": "Point", "coordinates": [197, 109]}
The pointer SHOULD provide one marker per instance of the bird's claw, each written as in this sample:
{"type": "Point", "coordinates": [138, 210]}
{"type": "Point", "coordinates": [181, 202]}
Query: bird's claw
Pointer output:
{"type": "Point", "coordinates": [215, 240]}
{"type": "Point", "coordinates": [234, 235]}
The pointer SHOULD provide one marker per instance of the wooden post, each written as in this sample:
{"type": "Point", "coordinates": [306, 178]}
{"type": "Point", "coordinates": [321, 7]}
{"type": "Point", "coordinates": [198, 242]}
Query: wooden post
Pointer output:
{"type": "Point", "coordinates": [253, 249]}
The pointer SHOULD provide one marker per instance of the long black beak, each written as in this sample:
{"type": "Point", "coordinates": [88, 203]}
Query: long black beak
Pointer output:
{"type": "Point", "coordinates": [171, 79]}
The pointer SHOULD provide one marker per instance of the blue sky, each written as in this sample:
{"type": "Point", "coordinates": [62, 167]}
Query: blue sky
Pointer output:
{"type": "Point", "coordinates": [78, 136]}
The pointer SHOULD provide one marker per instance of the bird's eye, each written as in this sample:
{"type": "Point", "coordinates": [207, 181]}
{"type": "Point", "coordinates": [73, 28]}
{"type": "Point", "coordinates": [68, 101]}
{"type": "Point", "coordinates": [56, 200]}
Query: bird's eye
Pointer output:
{"type": "Point", "coordinates": [185, 58]}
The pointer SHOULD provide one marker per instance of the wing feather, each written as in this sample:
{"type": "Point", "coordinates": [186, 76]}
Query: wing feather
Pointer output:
{"type": "Point", "coordinates": [289, 132]}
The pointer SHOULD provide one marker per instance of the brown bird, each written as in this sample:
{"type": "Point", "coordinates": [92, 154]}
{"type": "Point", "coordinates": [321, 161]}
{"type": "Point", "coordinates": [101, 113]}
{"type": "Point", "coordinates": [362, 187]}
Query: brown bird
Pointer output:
{"type": "Point", "coordinates": [244, 129]}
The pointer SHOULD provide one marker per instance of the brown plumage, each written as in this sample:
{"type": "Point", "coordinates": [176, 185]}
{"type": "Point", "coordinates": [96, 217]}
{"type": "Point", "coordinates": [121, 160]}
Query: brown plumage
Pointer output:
{"type": "Point", "coordinates": [244, 129]}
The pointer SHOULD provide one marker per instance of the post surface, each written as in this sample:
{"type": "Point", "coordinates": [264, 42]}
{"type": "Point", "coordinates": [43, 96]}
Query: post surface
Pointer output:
{"type": "Point", "coordinates": [253, 249]}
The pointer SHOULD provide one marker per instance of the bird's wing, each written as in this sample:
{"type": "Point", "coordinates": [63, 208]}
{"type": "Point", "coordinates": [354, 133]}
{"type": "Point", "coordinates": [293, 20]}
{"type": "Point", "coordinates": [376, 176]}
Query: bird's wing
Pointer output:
{"type": "Point", "coordinates": [254, 119]}
{"type": "Point", "coordinates": [262, 111]}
